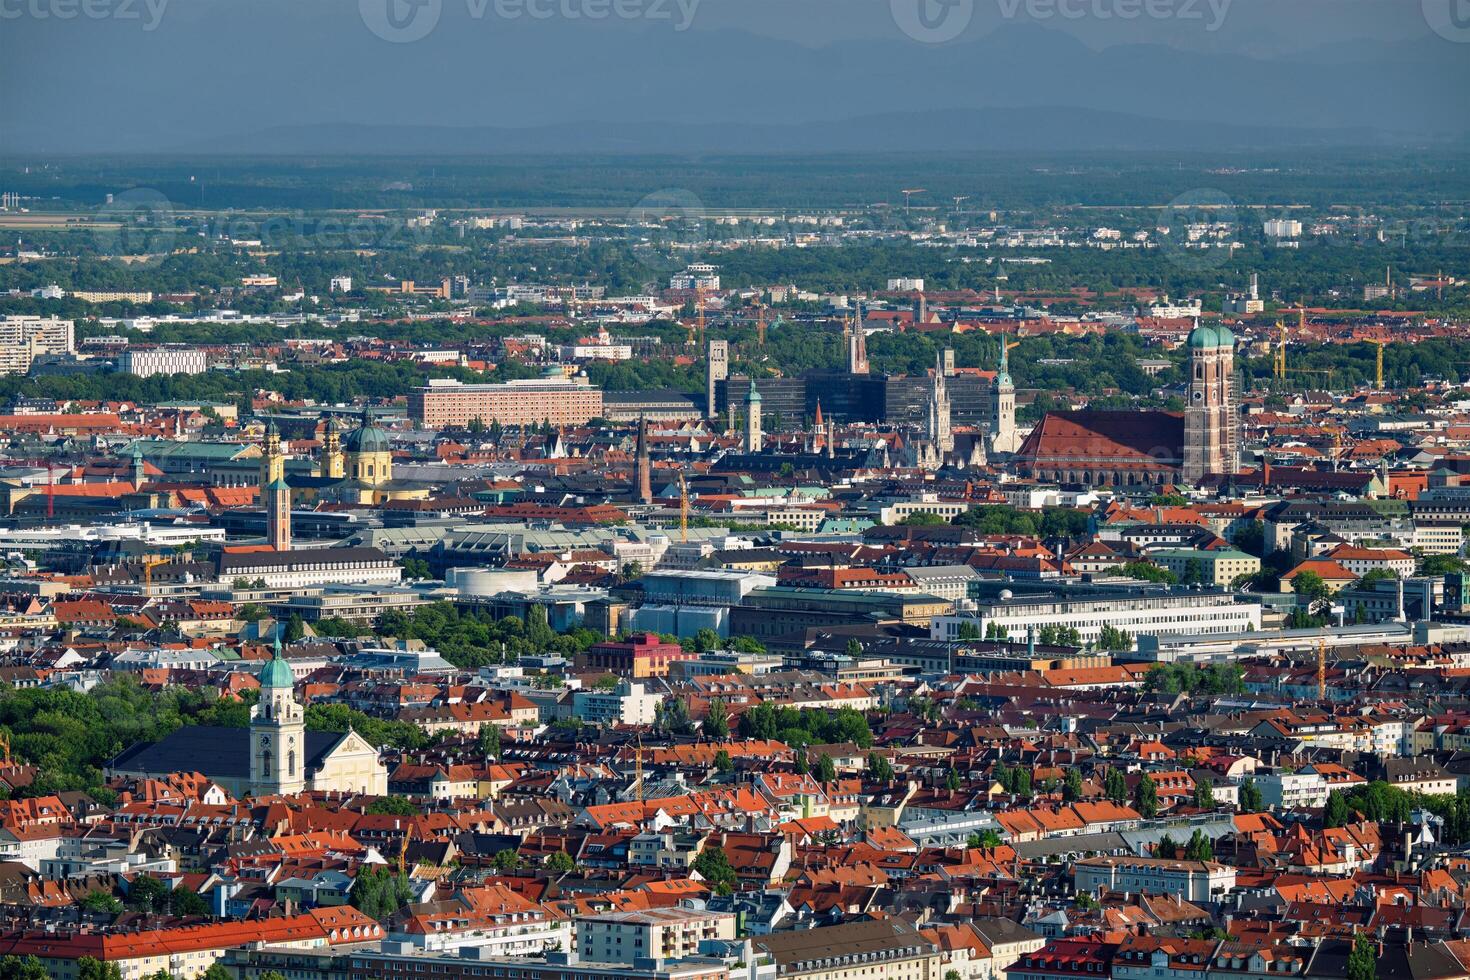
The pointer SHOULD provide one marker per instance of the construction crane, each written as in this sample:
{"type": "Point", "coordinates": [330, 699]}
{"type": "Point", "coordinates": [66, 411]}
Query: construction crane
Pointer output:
{"type": "Point", "coordinates": [1278, 357]}
{"type": "Point", "coordinates": [50, 489]}
{"type": "Point", "coordinates": [1378, 363]}
{"type": "Point", "coordinates": [908, 193]}
{"type": "Point", "coordinates": [957, 199]}
{"type": "Point", "coordinates": [1321, 669]}
{"type": "Point", "coordinates": [699, 309]}
{"type": "Point", "coordinates": [683, 510]}
{"type": "Point", "coordinates": [760, 327]}
{"type": "Point", "coordinates": [148, 565]}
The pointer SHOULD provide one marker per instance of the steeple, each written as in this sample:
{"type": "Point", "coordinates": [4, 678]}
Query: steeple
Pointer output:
{"type": "Point", "coordinates": [644, 464]}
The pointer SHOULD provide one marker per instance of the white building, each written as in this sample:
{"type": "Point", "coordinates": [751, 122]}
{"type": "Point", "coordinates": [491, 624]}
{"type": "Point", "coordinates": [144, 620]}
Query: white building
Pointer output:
{"type": "Point", "coordinates": [1160, 613]}
{"type": "Point", "coordinates": [1292, 790]}
{"type": "Point", "coordinates": [144, 362]}
{"type": "Point", "coordinates": [629, 703]}
{"type": "Point", "coordinates": [23, 338]}
{"type": "Point", "coordinates": [658, 934]}
{"type": "Point", "coordinates": [1192, 881]}
{"type": "Point", "coordinates": [1282, 228]}
{"type": "Point", "coordinates": [340, 284]}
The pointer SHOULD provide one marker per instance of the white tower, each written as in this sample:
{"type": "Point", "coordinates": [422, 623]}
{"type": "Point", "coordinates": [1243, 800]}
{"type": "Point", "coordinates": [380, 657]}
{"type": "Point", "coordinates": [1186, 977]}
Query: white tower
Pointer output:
{"type": "Point", "coordinates": [277, 733]}
{"type": "Point", "coordinates": [754, 438]}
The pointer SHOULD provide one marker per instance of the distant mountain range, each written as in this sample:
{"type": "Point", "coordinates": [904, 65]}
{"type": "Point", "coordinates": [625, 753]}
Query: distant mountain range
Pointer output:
{"type": "Point", "coordinates": [934, 131]}
{"type": "Point", "coordinates": [295, 77]}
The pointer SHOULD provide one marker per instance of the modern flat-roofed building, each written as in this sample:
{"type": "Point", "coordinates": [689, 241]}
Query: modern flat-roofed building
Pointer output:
{"type": "Point", "coordinates": [144, 362]}
{"type": "Point", "coordinates": [23, 338]}
{"type": "Point", "coordinates": [659, 934]}
{"type": "Point", "coordinates": [444, 402]}
{"type": "Point", "coordinates": [1157, 610]}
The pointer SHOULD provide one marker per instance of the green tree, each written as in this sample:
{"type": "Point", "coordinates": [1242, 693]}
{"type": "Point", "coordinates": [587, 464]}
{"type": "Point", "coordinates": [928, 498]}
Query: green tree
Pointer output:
{"type": "Point", "coordinates": [1072, 785]}
{"type": "Point", "coordinates": [489, 741]}
{"type": "Point", "coordinates": [90, 969]}
{"type": "Point", "coordinates": [1167, 847]}
{"type": "Point", "coordinates": [397, 806]}
{"type": "Point", "coordinates": [1251, 800]}
{"type": "Point", "coordinates": [1115, 786]}
{"type": "Point", "coordinates": [1204, 793]}
{"type": "Point", "coordinates": [825, 771]}
{"type": "Point", "coordinates": [879, 768]}
{"type": "Point", "coordinates": [1440, 565]}
{"type": "Point", "coordinates": [1146, 797]}
{"type": "Point", "coordinates": [723, 762]}
{"type": "Point", "coordinates": [854, 648]}
{"type": "Point", "coordinates": [1146, 571]}
{"type": "Point", "coordinates": [98, 900]}
{"type": "Point", "coordinates": [717, 720]}
{"type": "Point", "coordinates": [561, 863]}
{"type": "Point", "coordinates": [951, 779]}
{"type": "Point", "coordinates": [713, 865]}
{"type": "Point", "coordinates": [1194, 572]}
{"type": "Point", "coordinates": [27, 968]}
{"type": "Point", "coordinates": [1335, 814]}
{"type": "Point", "coordinates": [185, 901]}
{"type": "Point", "coordinates": [147, 894]}
{"type": "Point", "coordinates": [506, 861]}
{"type": "Point", "coordinates": [295, 628]}
{"type": "Point", "coordinates": [1362, 962]}
{"type": "Point", "coordinates": [1310, 586]}
{"type": "Point", "coordinates": [379, 891]}
{"type": "Point", "coordinates": [1199, 848]}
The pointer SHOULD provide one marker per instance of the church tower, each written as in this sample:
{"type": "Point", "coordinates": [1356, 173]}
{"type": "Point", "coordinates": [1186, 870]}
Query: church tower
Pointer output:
{"type": "Point", "coordinates": [334, 464]}
{"type": "Point", "coordinates": [275, 492]}
{"type": "Point", "coordinates": [716, 370]}
{"type": "Point", "coordinates": [754, 437]}
{"type": "Point", "coordinates": [938, 430]}
{"type": "Point", "coordinates": [644, 464]}
{"type": "Point", "coordinates": [857, 347]}
{"type": "Point", "coordinates": [277, 732]}
{"type": "Point", "coordinates": [1003, 406]}
{"type": "Point", "coordinates": [1210, 439]}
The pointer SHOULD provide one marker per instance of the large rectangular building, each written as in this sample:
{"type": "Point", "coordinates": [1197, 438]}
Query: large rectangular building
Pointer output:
{"type": "Point", "coordinates": [444, 403]}
{"type": "Point", "coordinates": [144, 362]}
{"type": "Point", "coordinates": [23, 338]}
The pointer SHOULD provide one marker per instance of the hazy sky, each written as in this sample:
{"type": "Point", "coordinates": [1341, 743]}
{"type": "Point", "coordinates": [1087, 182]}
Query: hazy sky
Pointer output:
{"type": "Point", "coordinates": [165, 75]}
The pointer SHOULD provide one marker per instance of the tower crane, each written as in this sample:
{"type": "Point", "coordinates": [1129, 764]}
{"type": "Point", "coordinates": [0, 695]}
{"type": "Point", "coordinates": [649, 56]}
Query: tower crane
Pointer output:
{"type": "Point", "coordinates": [908, 193]}
{"type": "Point", "coordinates": [683, 510]}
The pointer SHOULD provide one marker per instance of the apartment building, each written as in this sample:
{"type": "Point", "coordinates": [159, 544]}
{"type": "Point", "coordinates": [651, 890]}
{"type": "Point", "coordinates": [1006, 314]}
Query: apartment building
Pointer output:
{"type": "Point", "coordinates": [656, 934]}
{"type": "Point", "coordinates": [1192, 881]}
{"type": "Point", "coordinates": [23, 338]}
{"type": "Point", "coordinates": [881, 949]}
{"type": "Point", "coordinates": [1158, 611]}
{"type": "Point", "coordinates": [443, 403]}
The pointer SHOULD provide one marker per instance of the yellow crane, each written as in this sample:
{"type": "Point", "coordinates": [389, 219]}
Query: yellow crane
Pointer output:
{"type": "Point", "coordinates": [683, 510]}
{"type": "Point", "coordinates": [760, 327]}
{"type": "Point", "coordinates": [1321, 669]}
{"type": "Point", "coordinates": [1278, 357]}
{"type": "Point", "coordinates": [149, 564]}
{"type": "Point", "coordinates": [1378, 363]}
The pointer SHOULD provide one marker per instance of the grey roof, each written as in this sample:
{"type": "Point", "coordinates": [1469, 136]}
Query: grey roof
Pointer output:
{"type": "Point", "coordinates": [219, 753]}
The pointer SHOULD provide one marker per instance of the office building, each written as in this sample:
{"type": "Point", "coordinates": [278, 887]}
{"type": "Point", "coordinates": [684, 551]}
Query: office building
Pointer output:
{"type": "Point", "coordinates": [144, 362]}
{"type": "Point", "coordinates": [444, 403]}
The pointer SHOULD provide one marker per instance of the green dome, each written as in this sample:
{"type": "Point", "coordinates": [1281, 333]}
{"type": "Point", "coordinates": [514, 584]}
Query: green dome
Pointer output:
{"type": "Point", "coordinates": [1204, 337]}
{"type": "Point", "coordinates": [276, 675]}
{"type": "Point", "coordinates": [754, 397]}
{"type": "Point", "coordinates": [368, 438]}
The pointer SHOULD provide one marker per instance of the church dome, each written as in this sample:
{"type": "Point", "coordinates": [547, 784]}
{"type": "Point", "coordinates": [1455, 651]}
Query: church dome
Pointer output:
{"type": "Point", "coordinates": [276, 675]}
{"type": "Point", "coordinates": [1204, 337]}
{"type": "Point", "coordinates": [367, 438]}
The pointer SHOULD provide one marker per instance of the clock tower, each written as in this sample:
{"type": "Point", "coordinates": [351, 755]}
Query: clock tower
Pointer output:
{"type": "Point", "coordinates": [277, 733]}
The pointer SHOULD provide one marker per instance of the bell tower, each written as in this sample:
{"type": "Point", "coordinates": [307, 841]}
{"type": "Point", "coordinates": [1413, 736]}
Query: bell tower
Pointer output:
{"type": "Point", "coordinates": [1210, 441]}
{"type": "Point", "coordinates": [277, 732]}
